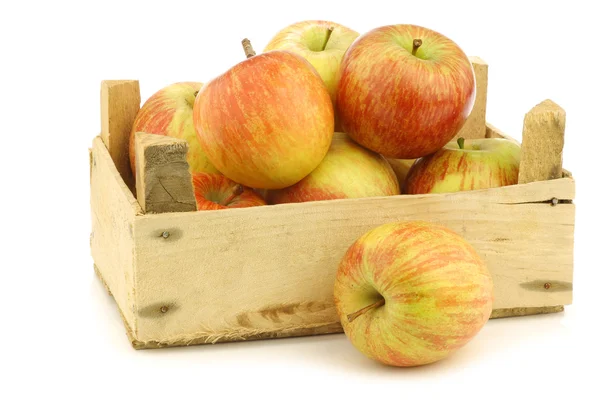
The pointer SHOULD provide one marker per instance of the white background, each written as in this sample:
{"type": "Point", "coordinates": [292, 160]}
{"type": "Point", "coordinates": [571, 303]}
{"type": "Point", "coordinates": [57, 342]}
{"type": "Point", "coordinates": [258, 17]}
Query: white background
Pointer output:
{"type": "Point", "coordinates": [60, 331]}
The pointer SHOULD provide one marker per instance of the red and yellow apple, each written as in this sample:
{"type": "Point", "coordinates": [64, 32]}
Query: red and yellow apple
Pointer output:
{"type": "Point", "coordinates": [465, 165]}
{"type": "Point", "coordinates": [412, 293]}
{"type": "Point", "coordinates": [321, 43]}
{"type": "Point", "coordinates": [404, 91]}
{"type": "Point", "coordinates": [168, 112]}
{"type": "Point", "coordinates": [216, 192]}
{"type": "Point", "coordinates": [347, 171]}
{"type": "Point", "coordinates": [267, 122]}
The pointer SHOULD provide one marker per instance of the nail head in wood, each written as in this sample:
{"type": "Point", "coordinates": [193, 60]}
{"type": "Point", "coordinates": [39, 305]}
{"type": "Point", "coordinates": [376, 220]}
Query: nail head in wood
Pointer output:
{"type": "Point", "coordinates": [165, 234]}
{"type": "Point", "coordinates": [547, 285]}
{"type": "Point", "coordinates": [554, 201]}
{"type": "Point", "coordinates": [164, 309]}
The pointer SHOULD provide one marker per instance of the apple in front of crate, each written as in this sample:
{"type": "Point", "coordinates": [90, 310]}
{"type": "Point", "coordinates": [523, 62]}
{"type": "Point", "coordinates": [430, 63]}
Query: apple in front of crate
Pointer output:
{"type": "Point", "coordinates": [168, 112]}
{"type": "Point", "coordinates": [321, 43]}
{"type": "Point", "coordinates": [347, 171]}
{"type": "Point", "coordinates": [267, 122]}
{"type": "Point", "coordinates": [404, 91]}
{"type": "Point", "coordinates": [412, 293]}
{"type": "Point", "coordinates": [469, 164]}
{"type": "Point", "coordinates": [216, 192]}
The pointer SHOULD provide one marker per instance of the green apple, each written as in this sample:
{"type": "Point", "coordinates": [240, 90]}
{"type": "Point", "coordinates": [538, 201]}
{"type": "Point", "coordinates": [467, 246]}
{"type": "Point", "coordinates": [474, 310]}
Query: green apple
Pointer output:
{"type": "Point", "coordinates": [465, 165]}
{"type": "Point", "coordinates": [321, 43]}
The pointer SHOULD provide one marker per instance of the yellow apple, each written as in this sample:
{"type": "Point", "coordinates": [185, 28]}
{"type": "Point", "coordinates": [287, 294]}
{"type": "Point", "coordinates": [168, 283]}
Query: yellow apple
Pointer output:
{"type": "Point", "coordinates": [347, 171]}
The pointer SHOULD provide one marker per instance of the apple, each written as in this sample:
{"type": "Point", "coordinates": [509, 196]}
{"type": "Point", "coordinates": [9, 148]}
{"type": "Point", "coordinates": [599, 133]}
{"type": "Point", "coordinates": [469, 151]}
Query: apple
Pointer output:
{"type": "Point", "coordinates": [168, 112]}
{"type": "Point", "coordinates": [404, 91]}
{"type": "Point", "coordinates": [267, 122]}
{"type": "Point", "coordinates": [465, 165]}
{"type": "Point", "coordinates": [347, 171]}
{"type": "Point", "coordinates": [411, 293]}
{"type": "Point", "coordinates": [321, 43]}
{"type": "Point", "coordinates": [401, 168]}
{"type": "Point", "coordinates": [216, 192]}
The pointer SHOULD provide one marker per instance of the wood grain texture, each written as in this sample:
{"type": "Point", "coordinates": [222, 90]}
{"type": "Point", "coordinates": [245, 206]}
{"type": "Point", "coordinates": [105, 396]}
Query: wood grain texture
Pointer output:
{"type": "Point", "coordinates": [163, 181]}
{"type": "Point", "coordinates": [113, 212]}
{"type": "Point", "coordinates": [474, 127]}
{"type": "Point", "coordinates": [335, 327]}
{"type": "Point", "coordinates": [285, 257]}
{"type": "Point", "coordinates": [522, 311]}
{"type": "Point", "coordinates": [543, 141]}
{"type": "Point", "coordinates": [120, 103]}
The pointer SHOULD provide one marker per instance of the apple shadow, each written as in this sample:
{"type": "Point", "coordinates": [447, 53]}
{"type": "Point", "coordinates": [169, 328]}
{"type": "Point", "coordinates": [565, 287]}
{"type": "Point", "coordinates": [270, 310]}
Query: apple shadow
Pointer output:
{"type": "Point", "coordinates": [335, 353]}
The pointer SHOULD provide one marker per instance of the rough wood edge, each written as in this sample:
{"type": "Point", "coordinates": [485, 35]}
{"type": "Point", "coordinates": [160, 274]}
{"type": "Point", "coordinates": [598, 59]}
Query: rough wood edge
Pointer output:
{"type": "Point", "coordinates": [163, 180]}
{"type": "Point", "coordinates": [523, 311]}
{"type": "Point", "coordinates": [474, 127]}
{"type": "Point", "coordinates": [324, 329]}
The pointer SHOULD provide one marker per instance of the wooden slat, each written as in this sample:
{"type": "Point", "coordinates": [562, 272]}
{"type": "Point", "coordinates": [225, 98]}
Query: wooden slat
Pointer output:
{"type": "Point", "coordinates": [522, 311]}
{"type": "Point", "coordinates": [474, 127]}
{"type": "Point", "coordinates": [245, 273]}
{"type": "Point", "coordinates": [543, 141]}
{"type": "Point", "coordinates": [113, 211]}
{"type": "Point", "coordinates": [493, 132]}
{"type": "Point", "coordinates": [163, 181]}
{"type": "Point", "coordinates": [120, 103]}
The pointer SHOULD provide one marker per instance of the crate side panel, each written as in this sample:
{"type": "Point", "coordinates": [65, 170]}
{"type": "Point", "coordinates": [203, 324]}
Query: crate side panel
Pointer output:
{"type": "Point", "coordinates": [241, 273]}
{"type": "Point", "coordinates": [113, 210]}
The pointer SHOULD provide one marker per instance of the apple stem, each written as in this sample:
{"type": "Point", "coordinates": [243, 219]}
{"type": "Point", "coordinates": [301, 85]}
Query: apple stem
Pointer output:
{"type": "Point", "coordinates": [461, 143]}
{"type": "Point", "coordinates": [327, 36]}
{"type": "Point", "coordinates": [416, 44]}
{"type": "Point", "coordinates": [248, 48]}
{"type": "Point", "coordinates": [237, 190]}
{"type": "Point", "coordinates": [354, 315]}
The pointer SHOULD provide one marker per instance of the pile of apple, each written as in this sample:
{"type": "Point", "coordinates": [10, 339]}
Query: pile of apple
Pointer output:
{"type": "Point", "coordinates": [317, 116]}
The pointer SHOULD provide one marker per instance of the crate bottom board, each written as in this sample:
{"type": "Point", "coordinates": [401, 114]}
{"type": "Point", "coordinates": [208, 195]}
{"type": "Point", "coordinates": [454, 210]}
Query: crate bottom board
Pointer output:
{"type": "Point", "coordinates": [334, 327]}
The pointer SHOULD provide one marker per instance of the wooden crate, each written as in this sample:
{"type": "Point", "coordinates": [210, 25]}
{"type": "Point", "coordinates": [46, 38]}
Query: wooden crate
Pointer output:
{"type": "Point", "coordinates": [182, 278]}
